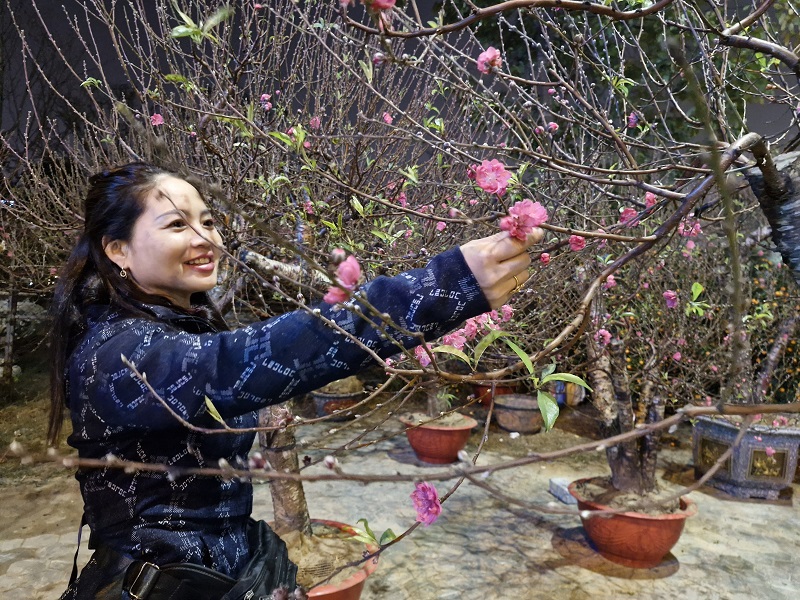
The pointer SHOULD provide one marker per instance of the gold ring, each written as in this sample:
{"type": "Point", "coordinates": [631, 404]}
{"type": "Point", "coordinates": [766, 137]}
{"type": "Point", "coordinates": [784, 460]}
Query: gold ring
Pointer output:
{"type": "Point", "coordinates": [517, 286]}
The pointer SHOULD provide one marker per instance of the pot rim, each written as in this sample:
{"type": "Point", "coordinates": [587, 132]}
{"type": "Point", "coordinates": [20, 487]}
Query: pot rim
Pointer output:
{"type": "Point", "coordinates": [688, 506]}
{"type": "Point", "coordinates": [755, 428]}
{"type": "Point", "coordinates": [498, 402]}
{"type": "Point", "coordinates": [433, 425]}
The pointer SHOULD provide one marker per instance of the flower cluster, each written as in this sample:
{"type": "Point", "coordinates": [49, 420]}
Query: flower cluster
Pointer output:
{"type": "Point", "coordinates": [474, 327]}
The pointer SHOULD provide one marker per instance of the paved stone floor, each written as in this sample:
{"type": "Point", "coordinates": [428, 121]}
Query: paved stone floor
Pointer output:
{"type": "Point", "coordinates": [480, 548]}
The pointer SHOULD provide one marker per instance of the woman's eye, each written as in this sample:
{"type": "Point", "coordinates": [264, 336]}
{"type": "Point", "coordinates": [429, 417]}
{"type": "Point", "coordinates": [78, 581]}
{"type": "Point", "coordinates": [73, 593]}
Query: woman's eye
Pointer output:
{"type": "Point", "coordinates": [177, 223]}
{"type": "Point", "coordinates": [209, 223]}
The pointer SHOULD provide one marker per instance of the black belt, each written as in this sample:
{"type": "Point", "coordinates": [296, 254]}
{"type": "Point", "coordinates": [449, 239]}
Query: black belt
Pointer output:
{"type": "Point", "coordinates": [184, 581]}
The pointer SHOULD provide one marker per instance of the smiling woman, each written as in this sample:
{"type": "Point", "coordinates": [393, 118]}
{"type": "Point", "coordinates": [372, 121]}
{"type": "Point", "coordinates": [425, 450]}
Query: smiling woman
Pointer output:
{"type": "Point", "coordinates": [174, 248]}
{"type": "Point", "coordinates": [136, 286]}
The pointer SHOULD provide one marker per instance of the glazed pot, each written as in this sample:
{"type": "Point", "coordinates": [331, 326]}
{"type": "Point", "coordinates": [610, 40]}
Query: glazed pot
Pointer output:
{"type": "Point", "coordinates": [630, 538]}
{"type": "Point", "coordinates": [350, 588]}
{"type": "Point", "coordinates": [438, 444]}
{"type": "Point", "coordinates": [337, 407]}
{"type": "Point", "coordinates": [518, 412]}
{"type": "Point", "coordinates": [761, 466]}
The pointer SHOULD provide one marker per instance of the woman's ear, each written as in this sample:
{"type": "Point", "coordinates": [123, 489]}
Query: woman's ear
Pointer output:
{"type": "Point", "coordinates": [116, 251]}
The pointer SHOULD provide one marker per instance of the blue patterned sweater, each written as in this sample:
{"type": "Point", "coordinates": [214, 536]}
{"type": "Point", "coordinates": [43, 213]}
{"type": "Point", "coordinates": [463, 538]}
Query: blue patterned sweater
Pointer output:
{"type": "Point", "coordinates": [163, 518]}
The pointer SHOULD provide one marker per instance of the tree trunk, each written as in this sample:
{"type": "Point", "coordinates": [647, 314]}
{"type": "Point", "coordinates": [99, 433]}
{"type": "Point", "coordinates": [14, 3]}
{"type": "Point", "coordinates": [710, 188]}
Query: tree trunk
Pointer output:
{"type": "Point", "coordinates": [8, 364]}
{"type": "Point", "coordinates": [777, 187]}
{"type": "Point", "coordinates": [279, 450]}
{"type": "Point", "coordinates": [632, 464]}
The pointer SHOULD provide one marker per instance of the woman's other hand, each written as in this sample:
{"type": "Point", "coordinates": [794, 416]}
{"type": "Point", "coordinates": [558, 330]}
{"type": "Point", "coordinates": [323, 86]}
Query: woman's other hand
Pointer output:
{"type": "Point", "coordinates": [496, 261]}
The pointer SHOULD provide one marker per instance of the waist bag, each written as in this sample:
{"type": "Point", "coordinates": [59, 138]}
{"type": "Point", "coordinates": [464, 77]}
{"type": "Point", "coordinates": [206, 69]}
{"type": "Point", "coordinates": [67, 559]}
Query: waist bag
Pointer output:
{"type": "Point", "coordinates": [123, 577]}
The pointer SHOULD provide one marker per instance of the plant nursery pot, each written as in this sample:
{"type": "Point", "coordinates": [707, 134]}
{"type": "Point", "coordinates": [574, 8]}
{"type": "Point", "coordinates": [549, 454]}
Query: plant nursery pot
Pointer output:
{"type": "Point", "coordinates": [518, 412]}
{"type": "Point", "coordinates": [350, 588]}
{"type": "Point", "coordinates": [337, 407]}
{"type": "Point", "coordinates": [483, 392]}
{"type": "Point", "coordinates": [633, 539]}
{"type": "Point", "coordinates": [761, 466]}
{"type": "Point", "coordinates": [438, 444]}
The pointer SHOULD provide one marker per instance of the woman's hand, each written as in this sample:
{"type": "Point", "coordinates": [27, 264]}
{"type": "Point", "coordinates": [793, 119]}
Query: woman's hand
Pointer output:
{"type": "Point", "coordinates": [497, 260]}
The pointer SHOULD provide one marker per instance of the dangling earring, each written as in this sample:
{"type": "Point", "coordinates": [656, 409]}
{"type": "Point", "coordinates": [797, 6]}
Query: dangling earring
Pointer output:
{"type": "Point", "coordinates": [123, 273]}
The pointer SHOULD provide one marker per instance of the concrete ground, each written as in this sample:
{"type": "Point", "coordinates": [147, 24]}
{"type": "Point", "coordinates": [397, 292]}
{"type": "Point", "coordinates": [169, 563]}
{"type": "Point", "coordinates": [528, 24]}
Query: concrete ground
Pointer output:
{"type": "Point", "coordinates": [481, 547]}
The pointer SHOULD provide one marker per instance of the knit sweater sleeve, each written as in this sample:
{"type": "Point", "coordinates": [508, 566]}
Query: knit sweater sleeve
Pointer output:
{"type": "Point", "coordinates": [270, 361]}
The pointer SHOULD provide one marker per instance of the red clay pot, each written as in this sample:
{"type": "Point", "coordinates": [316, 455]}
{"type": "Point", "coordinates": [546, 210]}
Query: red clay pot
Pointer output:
{"type": "Point", "coordinates": [438, 444]}
{"type": "Point", "coordinates": [633, 539]}
{"type": "Point", "coordinates": [350, 588]}
{"type": "Point", "coordinates": [483, 392]}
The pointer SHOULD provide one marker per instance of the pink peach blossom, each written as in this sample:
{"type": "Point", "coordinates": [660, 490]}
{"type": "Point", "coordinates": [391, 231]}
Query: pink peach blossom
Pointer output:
{"type": "Point", "coordinates": [156, 120]}
{"type": "Point", "coordinates": [576, 243]}
{"type": "Point", "coordinates": [440, 226]}
{"type": "Point", "coordinates": [315, 123]}
{"type": "Point", "coordinates": [387, 118]}
{"type": "Point", "coordinates": [629, 217]}
{"type": "Point", "coordinates": [544, 258]}
{"type": "Point", "coordinates": [488, 59]}
{"type": "Point", "coordinates": [671, 298]}
{"type": "Point", "coordinates": [426, 503]}
{"type": "Point", "coordinates": [380, 4]}
{"type": "Point", "coordinates": [492, 177]}
{"type": "Point", "coordinates": [348, 274]}
{"type": "Point", "coordinates": [422, 355]}
{"type": "Point", "coordinates": [602, 337]}
{"type": "Point", "coordinates": [552, 127]}
{"type": "Point", "coordinates": [455, 339]}
{"type": "Point", "coordinates": [610, 282]}
{"type": "Point", "coordinates": [650, 199]}
{"type": "Point", "coordinates": [522, 218]}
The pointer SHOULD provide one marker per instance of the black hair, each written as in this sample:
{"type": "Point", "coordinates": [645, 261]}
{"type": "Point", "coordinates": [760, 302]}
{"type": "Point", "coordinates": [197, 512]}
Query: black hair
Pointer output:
{"type": "Point", "coordinates": [114, 202]}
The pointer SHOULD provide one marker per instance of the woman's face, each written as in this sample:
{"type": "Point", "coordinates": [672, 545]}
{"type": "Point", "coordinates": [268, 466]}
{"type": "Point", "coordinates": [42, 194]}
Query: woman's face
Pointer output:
{"type": "Point", "coordinates": [173, 250]}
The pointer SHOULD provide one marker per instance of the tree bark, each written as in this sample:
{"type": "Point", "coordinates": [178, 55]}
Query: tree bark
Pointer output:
{"type": "Point", "coordinates": [8, 364]}
{"type": "Point", "coordinates": [279, 450]}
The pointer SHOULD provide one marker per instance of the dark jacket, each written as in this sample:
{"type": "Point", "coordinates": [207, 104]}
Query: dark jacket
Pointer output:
{"type": "Point", "coordinates": [161, 517]}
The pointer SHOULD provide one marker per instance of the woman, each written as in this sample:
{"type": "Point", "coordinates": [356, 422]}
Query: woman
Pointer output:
{"type": "Point", "coordinates": [136, 286]}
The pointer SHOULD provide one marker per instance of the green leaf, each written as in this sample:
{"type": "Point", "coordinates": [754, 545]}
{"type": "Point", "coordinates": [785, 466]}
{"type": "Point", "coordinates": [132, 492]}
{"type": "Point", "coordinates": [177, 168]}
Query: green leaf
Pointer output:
{"type": "Point", "coordinates": [566, 377]}
{"type": "Point", "coordinates": [366, 66]}
{"type": "Point", "coordinates": [282, 137]}
{"type": "Point", "coordinates": [91, 82]}
{"type": "Point", "coordinates": [486, 342]}
{"type": "Point", "coordinates": [697, 289]}
{"type": "Point", "coordinates": [549, 409]}
{"type": "Point", "coordinates": [183, 31]}
{"type": "Point", "coordinates": [523, 356]}
{"type": "Point", "coordinates": [548, 369]}
{"type": "Point", "coordinates": [366, 527]}
{"type": "Point", "coordinates": [387, 536]}
{"type": "Point", "coordinates": [454, 352]}
{"type": "Point", "coordinates": [357, 205]}
{"type": "Point", "coordinates": [222, 14]}
{"type": "Point", "coordinates": [212, 410]}
{"type": "Point", "coordinates": [183, 15]}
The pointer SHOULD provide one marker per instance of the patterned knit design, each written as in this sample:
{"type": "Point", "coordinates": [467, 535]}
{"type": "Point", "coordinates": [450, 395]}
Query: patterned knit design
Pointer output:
{"type": "Point", "coordinates": [161, 517]}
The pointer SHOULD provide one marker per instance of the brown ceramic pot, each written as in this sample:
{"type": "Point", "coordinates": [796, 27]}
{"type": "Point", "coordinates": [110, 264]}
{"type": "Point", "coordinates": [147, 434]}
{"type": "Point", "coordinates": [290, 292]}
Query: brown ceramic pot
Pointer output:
{"type": "Point", "coordinates": [633, 539]}
{"type": "Point", "coordinates": [483, 392]}
{"type": "Point", "coordinates": [438, 444]}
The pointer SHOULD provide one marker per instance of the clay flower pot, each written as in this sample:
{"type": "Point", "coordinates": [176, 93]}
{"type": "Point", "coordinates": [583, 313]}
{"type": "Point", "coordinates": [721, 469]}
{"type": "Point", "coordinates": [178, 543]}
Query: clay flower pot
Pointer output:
{"type": "Point", "coordinates": [483, 391]}
{"type": "Point", "coordinates": [518, 412]}
{"type": "Point", "coordinates": [633, 539]}
{"type": "Point", "coordinates": [438, 443]}
{"type": "Point", "coordinates": [350, 588]}
{"type": "Point", "coordinates": [337, 407]}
